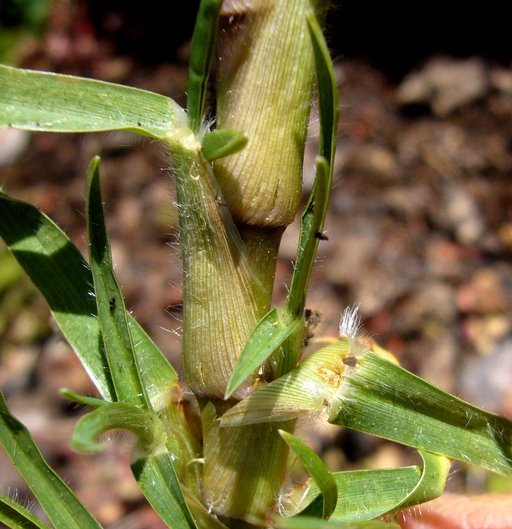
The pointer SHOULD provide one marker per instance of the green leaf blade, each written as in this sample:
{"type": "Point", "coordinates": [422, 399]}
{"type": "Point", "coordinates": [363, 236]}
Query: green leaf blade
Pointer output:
{"type": "Point", "coordinates": [202, 46]}
{"type": "Point", "coordinates": [15, 516]}
{"type": "Point", "coordinates": [327, 90]}
{"type": "Point", "coordinates": [112, 319]}
{"type": "Point", "coordinates": [60, 273]}
{"type": "Point", "coordinates": [432, 482]}
{"type": "Point", "coordinates": [311, 387]}
{"type": "Point", "coordinates": [313, 218]}
{"type": "Point", "coordinates": [311, 226]}
{"type": "Point", "coordinates": [158, 374]}
{"type": "Point", "coordinates": [42, 101]}
{"type": "Point", "coordinates": [317, 470]}
{"type": "Point", "coordinates": [63, 277]}
{"type": "Point", "coordinates": [54, 496]}
{"type": "Point", "coordinates": [116, 416]}
{"type": "Point", "coordinates": [158, 481]}
{"type": "Point", "coordinates": [222, 142]}
{"type": "Point", "coordinates": [382, 399]}
{"type": "Point", "coordinates": [365, 494]}
{"type": "Point", "coordinates": [270, 333]}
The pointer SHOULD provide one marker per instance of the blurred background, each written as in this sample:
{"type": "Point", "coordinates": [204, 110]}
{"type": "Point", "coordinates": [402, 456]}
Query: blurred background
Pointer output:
{"type": "Point", "coordinates": [420, 224]}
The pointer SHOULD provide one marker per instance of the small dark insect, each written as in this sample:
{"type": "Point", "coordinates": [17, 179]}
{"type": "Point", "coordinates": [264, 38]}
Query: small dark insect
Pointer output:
{"type": "Point", "coordinates": [350, 361]}
{"type": "Point", "coordinates": [321, 236]}
{"type": "Point", "coordinates": [112, 304]}
{"type": "Point", "coordinates": [313, 318]}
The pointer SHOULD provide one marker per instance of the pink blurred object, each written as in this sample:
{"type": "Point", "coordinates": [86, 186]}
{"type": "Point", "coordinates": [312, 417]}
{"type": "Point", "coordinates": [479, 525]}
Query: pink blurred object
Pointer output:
{"type": "Point", "coordinates": [454, 511]}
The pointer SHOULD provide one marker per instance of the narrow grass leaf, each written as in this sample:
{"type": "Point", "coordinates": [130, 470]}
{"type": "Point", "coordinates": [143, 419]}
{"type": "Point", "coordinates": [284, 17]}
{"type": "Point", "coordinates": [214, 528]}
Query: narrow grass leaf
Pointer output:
{"type": "Point", "coordinates": [317, 470]}
{"type": "Point", "coordinates": [268, 335]}
{"type": "Point", "coordinates": [43, 101]}
{"type": "Point", "coordinates": [327, 90]}
{"type": "Point", "coordinates": [15, 516]}
{"type": "Point", "coordinates": [117, 416]}
{"type": "Point", "coordinates": [432, 482]}
{"type": "Point", "coordinates": [201, 50]}
{"type": "Point", "coordinates": [153, 465]}
{"type": "Point", "coordinates": [112, 319]}
{"type": "Point", "coordinates": [311, 227]}
{"type": "Point", "coordinates": [59, 271]}
{"type": "Point", "coordinates": [157, 375]}
{"type": "Point", "coordinates": [60, 504]}
{"type": "Point", "coordinates": [381, 398]}
{"type": "Point", "coordinates": [82, 399]}
{"type": "Point", "coordinates": [222, 142]}
{"type": "Point", "coordinates": [157, 479]}
{"type": "Point", "coordinates": [313, 218]}
{"type": "Point", "coordinates": [365, 494]}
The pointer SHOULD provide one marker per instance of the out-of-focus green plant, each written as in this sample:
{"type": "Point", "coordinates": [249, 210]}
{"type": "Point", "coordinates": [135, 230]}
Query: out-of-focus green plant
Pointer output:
{"type": "Point", "coordinates": [19, 19]}
{"type": "Point", "coordinates": [238, 186]}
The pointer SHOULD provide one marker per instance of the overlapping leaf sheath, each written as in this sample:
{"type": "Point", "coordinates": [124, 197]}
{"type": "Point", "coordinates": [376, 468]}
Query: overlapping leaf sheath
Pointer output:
{"type": "Point", "coordinates": [219, 305]}
{"type": "Point", "coordinates": [265, 72]}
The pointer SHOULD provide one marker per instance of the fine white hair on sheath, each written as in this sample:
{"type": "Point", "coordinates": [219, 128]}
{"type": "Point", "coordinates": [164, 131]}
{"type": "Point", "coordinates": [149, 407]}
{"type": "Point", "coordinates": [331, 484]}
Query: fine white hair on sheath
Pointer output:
{"type": "Point", "coordinates": [350, 322]}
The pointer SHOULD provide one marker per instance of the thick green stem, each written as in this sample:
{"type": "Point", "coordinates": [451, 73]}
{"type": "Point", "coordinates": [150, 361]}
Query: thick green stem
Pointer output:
{"type": "Point", "coordinates": [231, 233]}
{"type": "Point", "coordinates": [220, 308]}
{"type": "Point", "coordinates": [265, 73]}
{"type": "Point", "coordinates": [262, 246]}
{"type": "Point", "coordinates": [244, 467]}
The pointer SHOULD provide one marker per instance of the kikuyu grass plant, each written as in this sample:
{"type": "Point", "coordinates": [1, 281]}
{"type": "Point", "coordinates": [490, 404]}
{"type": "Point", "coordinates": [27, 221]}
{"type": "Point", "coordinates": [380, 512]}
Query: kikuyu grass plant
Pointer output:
{"type": "Point", "coordinates": [238, 185]}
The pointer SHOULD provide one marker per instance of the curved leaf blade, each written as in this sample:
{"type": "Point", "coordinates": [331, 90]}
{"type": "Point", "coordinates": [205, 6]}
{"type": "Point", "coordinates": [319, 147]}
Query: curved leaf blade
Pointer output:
{"type": "Point", "coordinates": [317, 470]}
{"type": "Point", "coordinates": [93, 402]}
{"type": "Point", "coordinates": [432, 482]}
{"type": "Point", "coordinates": [116, 416]}
{"type": "Point", "coordinates": [366, 494]}
{"type": "Point", "coordinates": [15, 516]}
{"type": "Point", "coordinates": [268, 335]}
{"type": "Point", "coordinates": [153, 466]}
{"type": "Point", "coordinates": [54, 496]}
{"type": "Point", "coordinates": [43, 101]}
{"type": "Point", "coordinates": [383, 399]}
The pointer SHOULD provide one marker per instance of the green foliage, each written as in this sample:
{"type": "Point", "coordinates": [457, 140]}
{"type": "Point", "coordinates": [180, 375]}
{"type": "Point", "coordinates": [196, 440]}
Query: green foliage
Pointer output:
{"type": "Point", "coordinates": [124, 368]}
{"type": "Point", "coordinates": [317, 469]}
{"type": "Point", "coordinates": [20, 19]}
{"type": "Point", "coordinates": [236, 343]}
{"type": "Point", "coordinates": [60, 504]}
{"type": "Point", "coordinates": [63, 103]}
{"type": "Point", "coordinates": [16, 516]}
